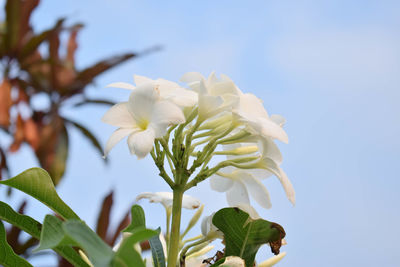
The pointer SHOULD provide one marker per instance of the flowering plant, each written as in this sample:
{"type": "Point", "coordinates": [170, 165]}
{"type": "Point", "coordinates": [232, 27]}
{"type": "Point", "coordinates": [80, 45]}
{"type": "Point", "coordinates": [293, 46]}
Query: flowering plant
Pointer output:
{"type": "Point", "coordinates": [183, 130]}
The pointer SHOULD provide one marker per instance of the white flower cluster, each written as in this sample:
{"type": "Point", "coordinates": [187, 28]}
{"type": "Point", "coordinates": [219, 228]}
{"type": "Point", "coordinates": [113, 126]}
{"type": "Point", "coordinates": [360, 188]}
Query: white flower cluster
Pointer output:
{"type": "Point", "coordinates": [244, 131]}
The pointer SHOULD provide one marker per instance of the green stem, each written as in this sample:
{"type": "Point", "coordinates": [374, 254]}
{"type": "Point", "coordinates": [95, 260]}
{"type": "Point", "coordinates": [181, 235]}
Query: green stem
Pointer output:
{"type": "Point", "coordinates": [175, 227]}
{"type": "Point", "coordinates": [185, 249]}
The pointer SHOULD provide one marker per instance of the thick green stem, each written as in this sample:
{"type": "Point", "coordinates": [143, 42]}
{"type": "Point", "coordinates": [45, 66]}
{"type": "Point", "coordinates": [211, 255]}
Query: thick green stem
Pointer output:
{"type": "Point", "coordinates": [175, 227]}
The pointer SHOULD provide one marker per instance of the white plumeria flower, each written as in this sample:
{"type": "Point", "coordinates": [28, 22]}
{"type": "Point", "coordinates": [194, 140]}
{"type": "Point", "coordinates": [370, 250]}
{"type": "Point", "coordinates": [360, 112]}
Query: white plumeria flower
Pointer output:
{"type": "Point", "coordinates": [165, 198]}
{"type": "Point", "coordinates": [273, 260]}
{"type": "Point", "coordinates": [143, 118]}
{"type": "Point", "coordinates": [168, 90]}
{"type": "Point", "coordinates": [215, 96]}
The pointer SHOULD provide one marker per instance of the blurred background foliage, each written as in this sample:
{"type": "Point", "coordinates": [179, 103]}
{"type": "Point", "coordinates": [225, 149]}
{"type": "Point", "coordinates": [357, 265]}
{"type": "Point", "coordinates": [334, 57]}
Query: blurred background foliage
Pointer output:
{"type": "Point", "coordinates": [41, 65]}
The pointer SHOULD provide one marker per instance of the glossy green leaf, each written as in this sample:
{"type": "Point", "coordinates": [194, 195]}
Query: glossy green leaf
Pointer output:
{"type": "Point", "coordinates": [52, 234]}
{"type": "Point", "coordinates": [32, 227]}
{"type": "Point", "coordinates": [138, 219]}
{"type": "Point", "coordinates": [37, 183]}
{"type": "Point", "coordinates": [127, 256]}
{"type": "Point", "coordinates": [7, 256]}
{"type": "Point", "coordinates": [244, 236]}
{"type": "Point", "coordinates": [157, 250]}
{"type": "Point", "coordinates": [98, 252]}
{"type": "Point", "coordinates": [24, 222]}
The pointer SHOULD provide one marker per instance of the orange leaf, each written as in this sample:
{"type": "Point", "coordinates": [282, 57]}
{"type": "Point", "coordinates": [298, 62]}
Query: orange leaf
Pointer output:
{"type": "Point", "coordinates": [18, 134]}
{"type": "Point", "coordinates": [31, 134]}
{"type": "Point", "coordinates": [5, 103]}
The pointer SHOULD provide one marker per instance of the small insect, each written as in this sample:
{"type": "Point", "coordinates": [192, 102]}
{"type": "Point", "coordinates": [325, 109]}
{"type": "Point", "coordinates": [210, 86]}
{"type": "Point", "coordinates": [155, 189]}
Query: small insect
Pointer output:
{"type": "Point", "coordinates": [219, 255]}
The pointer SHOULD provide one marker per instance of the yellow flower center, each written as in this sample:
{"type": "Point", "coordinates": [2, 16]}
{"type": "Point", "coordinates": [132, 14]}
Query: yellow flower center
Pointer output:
{"type": "Point", "coordinates": [143, 124]}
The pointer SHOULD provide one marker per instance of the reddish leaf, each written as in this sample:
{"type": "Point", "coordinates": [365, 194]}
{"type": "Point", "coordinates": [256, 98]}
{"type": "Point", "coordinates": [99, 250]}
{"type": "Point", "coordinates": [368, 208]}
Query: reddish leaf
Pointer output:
{"type": "Point", "coordinates": [54, 58]}
{"type": "Point", "coordinates": [122, 225]}
{"type": "Point", "coordinates": [31, 133]}
{"type": "Point", "coordinates": [5, 103]}
{"type": "Point", "coordinates": [18, 134]}
{"type": "Point", "coordinates": [87, 75]}
{"type": "Point", "coordinates": [53, 148]}
{"type": "Point", "coordinates": [103, 220]}
{"type": "Point", "coordinates": [27, 7]}
{"type": "Point", "coordinates": [3, 164]}
{"type": "Point", "coordinates": [64, 263]}
{"type": "Point", "coordinates": [72, 46]}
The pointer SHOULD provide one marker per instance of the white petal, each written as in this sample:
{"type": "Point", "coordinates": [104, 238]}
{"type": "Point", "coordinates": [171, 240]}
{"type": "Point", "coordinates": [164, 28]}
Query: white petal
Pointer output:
{"type": "Point", "coordinates": [278, 119]}
{"type": "Point", "coordinates": [142, 101]}
{"type": "Point", "coordinates": [190, 203]}
{"type": "Point", "coordinates": [271, 129]}
{"type": "Point", "coordinates": [209, 106]}
{"type": "Point", "coordinates": [237, 194]}
{"type": "Point", "coordinates": [252, 106]}
{"type": "Point", "coordinates": [223, 88]}
{"type": "Point", "coordinates": [270, 150]}
{"type": "Point", "coordinates": [260, 173]}
{"type": "Point", "coordinates": [117, 136]}
{"type": "Point", "coordinates": [164, 114]}
{"type": "Point", "coordinates": [141, 143]}
{"type": "Point", "coordinates": [212, 78]}
{"type": "Point", "coordinates": [287, 186]}
{"type": "Point", "coordinates": [139, 80]}
{"type": "Point", "coordinates": [190, 77]}
{"type": "Point", "coordinates": [256, 189]}
{"type": "Point", "coordinates": [178, 95]}
{"type": "Point", "coordinates": [119, 115]}
{"type": "Point", "coordinates": [273, 260]}
{"type": "Point", "coordinates": [220, 184]}
{"type": "Point", "coordinates": [122, 85]}
{"type": "Point", "coordinates": [233, 261]}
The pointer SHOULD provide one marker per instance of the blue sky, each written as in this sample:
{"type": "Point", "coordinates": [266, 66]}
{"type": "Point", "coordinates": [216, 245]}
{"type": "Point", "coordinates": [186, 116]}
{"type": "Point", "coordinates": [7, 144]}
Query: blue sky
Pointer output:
{"type": "Point", "coordinates": [332, 68]}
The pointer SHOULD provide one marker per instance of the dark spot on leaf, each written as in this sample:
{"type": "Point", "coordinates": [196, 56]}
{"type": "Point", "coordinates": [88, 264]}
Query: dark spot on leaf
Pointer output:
{"type": "Point", "coordinates": [276, 245]}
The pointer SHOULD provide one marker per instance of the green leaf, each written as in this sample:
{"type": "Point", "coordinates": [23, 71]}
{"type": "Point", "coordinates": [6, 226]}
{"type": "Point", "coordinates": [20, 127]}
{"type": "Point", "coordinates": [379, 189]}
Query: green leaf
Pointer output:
{"type": "Point", "coordinates": [7, 256]}
{"type": "Point", "coordinates": [37, 183]}
{"type": "Point", "coordinates": [157, 250]}
{"type": "Point", "coordinates": [24, 222]}
{"type": "Point", "coordinates": [13, 11]}
{"type": "Point", "coordinates": [32, 227]}
{"type": "Point", "coordinates": [57, 167]}
{"type": "Point", "coordinates": [127, 256]}
{"type": "Point", "coordinates": [98, 252]}
{"type": "Point", "coordinates": [52, 234]}
{"type": "Point", "coordinates": [243, 235]}
{"type": "Point", "coordinates": [138, 219]}
{"type": "Point", "coordinates": [88, 135]}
